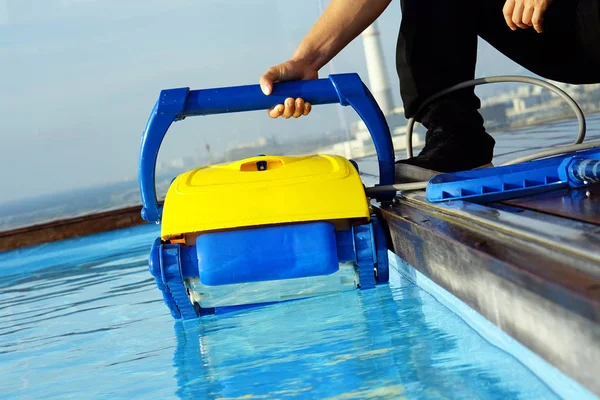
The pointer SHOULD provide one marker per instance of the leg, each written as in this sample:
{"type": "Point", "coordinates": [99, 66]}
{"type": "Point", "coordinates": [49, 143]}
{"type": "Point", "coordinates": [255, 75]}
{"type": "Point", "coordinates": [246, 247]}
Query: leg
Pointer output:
{"type": "Point", "coordinates": [437, 44]}
{"type": "Point", "coordinates": [437, 48]}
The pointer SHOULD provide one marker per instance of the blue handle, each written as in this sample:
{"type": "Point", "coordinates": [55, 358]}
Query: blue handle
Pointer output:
{"type": "Point", "coordinates": [177, 104]}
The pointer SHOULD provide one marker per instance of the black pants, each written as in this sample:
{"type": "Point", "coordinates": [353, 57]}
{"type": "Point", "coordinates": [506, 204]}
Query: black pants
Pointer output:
{"type": "Point", "coordinates": [437, 48]}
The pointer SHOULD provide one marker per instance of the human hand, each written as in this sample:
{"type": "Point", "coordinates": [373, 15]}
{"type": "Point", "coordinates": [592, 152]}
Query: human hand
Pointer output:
{"type": "Point", "coordinates": [525, 13]}
{"type": "Point", "coordinates": [288, 71]}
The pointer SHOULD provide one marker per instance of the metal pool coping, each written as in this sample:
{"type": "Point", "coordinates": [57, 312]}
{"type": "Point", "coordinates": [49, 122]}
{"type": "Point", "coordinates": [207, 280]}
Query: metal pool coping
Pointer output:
{"type": "Point", "coordinates": [71, 227]}
{"type": "Point", "coordinates": [534, 277]}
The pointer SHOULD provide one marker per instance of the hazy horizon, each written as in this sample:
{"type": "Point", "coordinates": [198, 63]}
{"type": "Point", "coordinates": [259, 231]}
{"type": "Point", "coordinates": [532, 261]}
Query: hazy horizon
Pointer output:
{"type": "Point", "coordinates": [81, 77]}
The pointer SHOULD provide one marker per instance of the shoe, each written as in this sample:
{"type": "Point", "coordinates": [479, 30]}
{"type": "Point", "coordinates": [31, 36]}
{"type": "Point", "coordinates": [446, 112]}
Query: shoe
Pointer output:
{"type": "Point", "coordinates": [447, 152]}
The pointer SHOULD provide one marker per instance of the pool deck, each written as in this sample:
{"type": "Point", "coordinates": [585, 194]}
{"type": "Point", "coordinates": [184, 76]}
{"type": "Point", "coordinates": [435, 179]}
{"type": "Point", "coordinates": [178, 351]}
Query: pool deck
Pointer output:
{"type": "Point", "coordinates": [68, 228]}
{"type": "Point", "coordinates": [522, 264]}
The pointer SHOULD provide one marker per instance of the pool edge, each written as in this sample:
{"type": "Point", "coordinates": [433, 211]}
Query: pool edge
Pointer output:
{"type": "Point", "coordinates": [537, 296]}
{"type": "Point", "coordinates": [562, 385]}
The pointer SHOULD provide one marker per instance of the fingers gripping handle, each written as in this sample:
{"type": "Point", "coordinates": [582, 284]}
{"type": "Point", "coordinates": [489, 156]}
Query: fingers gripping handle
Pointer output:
{"type": "Point", "coordinates": [177, 104]}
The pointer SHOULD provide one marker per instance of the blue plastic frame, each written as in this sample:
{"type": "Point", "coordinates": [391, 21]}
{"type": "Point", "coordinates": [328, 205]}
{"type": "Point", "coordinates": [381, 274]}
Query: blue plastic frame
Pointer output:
{"type": "Point", "coordinates": [177, 104]}
{"type": "Point", "coordinates": [573, 170]}
{"type": "Point", "coordinates": [170, 264]}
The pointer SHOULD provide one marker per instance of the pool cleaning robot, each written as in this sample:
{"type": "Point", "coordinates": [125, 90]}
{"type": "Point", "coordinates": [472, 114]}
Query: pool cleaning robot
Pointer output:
{"type": "Point", "coordinates": [267, 228]}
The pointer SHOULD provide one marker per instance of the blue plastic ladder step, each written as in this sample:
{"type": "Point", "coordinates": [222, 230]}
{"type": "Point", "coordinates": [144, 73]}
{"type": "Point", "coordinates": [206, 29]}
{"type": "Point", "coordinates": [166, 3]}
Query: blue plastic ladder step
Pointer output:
{"type": "Point", "coordinates": [500, 183]}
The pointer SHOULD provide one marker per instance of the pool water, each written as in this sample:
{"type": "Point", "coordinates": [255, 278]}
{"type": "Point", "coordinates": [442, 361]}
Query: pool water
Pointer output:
{"type": "Point", "coordinates": [83, 319]}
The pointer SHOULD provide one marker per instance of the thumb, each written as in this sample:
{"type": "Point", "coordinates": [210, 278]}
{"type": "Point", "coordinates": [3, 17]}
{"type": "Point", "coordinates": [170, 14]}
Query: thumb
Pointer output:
{"type": "Point", "coordinates": [266, 81]}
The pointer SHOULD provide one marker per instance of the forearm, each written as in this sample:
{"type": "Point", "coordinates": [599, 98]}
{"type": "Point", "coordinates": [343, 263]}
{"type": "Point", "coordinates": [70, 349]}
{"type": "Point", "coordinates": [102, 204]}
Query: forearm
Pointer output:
{"type": "Point", "coordinates": [341, 22]}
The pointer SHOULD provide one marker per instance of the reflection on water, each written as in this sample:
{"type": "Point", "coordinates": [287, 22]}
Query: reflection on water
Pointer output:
{"type": "Point", "coordinates": [83, 319]}
{"type": "Point", "coordinates": [395, 342]}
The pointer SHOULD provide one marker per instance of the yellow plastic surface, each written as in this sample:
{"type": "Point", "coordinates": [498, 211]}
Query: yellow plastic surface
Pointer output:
{"type": "Point", "coordinates": [291, 189]}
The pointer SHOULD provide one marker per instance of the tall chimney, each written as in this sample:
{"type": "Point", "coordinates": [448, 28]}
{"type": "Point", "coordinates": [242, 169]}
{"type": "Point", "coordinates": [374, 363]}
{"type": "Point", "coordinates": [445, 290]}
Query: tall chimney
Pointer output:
{"type": "Point", "coordinates": [379, 84]}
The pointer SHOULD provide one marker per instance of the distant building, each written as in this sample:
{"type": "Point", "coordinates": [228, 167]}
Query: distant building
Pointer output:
{"type": "Point", "coordinates": [379, 84]}
{"type": "Point", "coordinates": [361, 144]}
{"type": "Point", "coordinates": [531, 104]}
{"type": "Point", "coordinates": [494, 115]}
{"type": "Point", "coordinates": [262, 145]}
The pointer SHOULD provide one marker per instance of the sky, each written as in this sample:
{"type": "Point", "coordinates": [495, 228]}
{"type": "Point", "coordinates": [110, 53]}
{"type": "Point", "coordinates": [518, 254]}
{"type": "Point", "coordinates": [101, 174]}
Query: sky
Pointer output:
{"type": "Point", "coordinates": [80, 77]}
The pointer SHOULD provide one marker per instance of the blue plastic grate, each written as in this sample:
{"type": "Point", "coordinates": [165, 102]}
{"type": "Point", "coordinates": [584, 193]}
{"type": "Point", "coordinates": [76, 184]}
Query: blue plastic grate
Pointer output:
{"type": "Point", "coordinates": [500, 183]}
